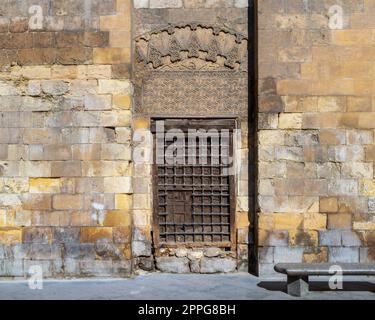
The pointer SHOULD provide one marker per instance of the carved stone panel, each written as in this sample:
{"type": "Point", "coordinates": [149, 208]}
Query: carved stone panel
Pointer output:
{"type": "Point", "coordinates": [192, 47]}
{"type": "Point", "coordinates": [193, 94]}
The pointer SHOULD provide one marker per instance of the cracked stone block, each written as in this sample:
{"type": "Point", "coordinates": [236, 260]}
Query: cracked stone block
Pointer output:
{"type": "Point", "coordinates": [55, 87]}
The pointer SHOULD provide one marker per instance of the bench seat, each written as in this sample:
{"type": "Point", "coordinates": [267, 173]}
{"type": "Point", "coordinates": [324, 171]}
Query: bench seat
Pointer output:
{"type": "Point", "coordinates": [298, 273]}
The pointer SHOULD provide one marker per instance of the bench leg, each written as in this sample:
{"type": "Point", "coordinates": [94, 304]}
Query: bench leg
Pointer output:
{"type": "Point", "coordinates": [298, 286]}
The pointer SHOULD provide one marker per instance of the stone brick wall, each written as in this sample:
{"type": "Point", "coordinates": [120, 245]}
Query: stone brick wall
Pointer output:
{"type": "Point", "coordinates": [65, 134]}
{"type": "Point", "coordinates": [316, 132]}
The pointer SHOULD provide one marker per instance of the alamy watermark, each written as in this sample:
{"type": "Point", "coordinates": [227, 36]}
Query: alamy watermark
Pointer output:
{"type": "Point", "coordinates": [191, 147]}
{"type": "Point", "coordinates": [35, 281]}
{"type": "Point", "coordinates": [336, 17]}
{"type": "Point", "coordinates": [336, 280]}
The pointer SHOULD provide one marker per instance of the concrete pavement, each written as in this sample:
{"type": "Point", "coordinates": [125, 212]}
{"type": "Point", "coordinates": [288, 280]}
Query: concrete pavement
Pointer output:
{"type": "Point", "coordinates": [182, 287]}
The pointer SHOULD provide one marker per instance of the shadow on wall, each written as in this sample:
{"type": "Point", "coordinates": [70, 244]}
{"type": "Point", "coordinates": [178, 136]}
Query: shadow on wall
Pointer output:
{"type": "Point", "coordinates": [252, 138]}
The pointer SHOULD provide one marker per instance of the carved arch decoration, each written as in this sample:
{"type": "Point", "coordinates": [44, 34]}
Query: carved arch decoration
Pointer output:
{"type": "Point", "coordinates": [191, 47]}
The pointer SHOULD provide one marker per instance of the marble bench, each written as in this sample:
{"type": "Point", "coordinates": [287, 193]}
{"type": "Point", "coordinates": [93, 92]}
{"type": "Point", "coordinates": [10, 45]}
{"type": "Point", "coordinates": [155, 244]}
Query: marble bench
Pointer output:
{"type": "Point", "coordinates": [298, 273]}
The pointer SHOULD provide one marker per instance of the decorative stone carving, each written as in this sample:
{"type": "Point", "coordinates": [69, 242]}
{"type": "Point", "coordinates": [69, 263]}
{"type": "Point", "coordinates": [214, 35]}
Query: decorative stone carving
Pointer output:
{"type": "Point", "coordinates": [194, 46]}
{"type": "Point", "coordinates": [193, 94]}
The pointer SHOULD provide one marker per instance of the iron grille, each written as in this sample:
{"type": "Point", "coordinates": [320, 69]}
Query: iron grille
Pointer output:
{"type": "Point", "coordinates": [194, 202]}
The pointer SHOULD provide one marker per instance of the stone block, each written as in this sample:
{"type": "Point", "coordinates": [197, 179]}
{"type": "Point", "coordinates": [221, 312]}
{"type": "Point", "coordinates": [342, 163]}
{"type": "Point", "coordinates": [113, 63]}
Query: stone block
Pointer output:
{"type": "Point", "coordinates": [116, 118]}
{"type": "Point", "coordinates": [122, 234]}
{"type": "Point", "coordinates": [212, 252]}
{"type": "Point", "coordinates": [40, 251]}
{"type": "Point", "coordinates": [54, 87]}
{"type": "Point", "coordinates": [66, 235]}
{"type": "Point", "coordinates": [314, 221]}
{"type": "Point", "coordinates": [241, 3]}
{"type": "Point", "coordinates": [93, 234]}
{"type": "Point", "coordinates": [290, 121]}
{"type": "Point", "coordinates": [56, 152]}
{"type": "Point", "coordinates": [118, 185]}
{"type": "Point", "coordinates": [265, 255]}
{"type": "Point", "coordinates": [288, 255]}
{"type": "Point", "coordinates": [141, 4]}
{"type": "Point", "coordinates": [11, 268]}
{"type": "Point", "coordinates": [350, 239]}
{"type": "Point", "coordinates": [339, 221]}
{"type": "Point", "coordinates": [67, 202]}
{"type": "Point", "coordinates": [37, 202]}
{"type": "Point", "coordinates": [45, 185]}
{"type": "Point", "coordinates": [330, 238]}
{"type": "Point", "coordinates": [288, 221]}
{"type": "Point", "coordinates": [315, 255]}
{"type": "Point", "coordinates": [141, 248]}
{"type": "Point", "coordinates": [343, 255]}
{"type": "Point", "coordinates": [357, 170]}
{"type": "Point", "coordinates": [86, 152]}
{"type": "Point", "coordinates": [303, 238]}
{"type": "Point", "coordinates": [113, 151]}
{"type": "Point", "coordinates": [111, 56]}
{"type": "Point", "coordinates": [102, 102]}
{"type": "Point", "coordinates": [158, 4]}
{"type": "Point", "coordinates": [328, 205]}
{"type": "Point", "coordinates": [141, 218]}
{"type": "Point", "coordinates": [360, 137]}
{"type": "Point", "coordinates": [102, 135]}
{"type": "Point", "coordinates": [123, 202]}
{"type": "Point", "coordinates": [37, 235]}
{"type": "Point", "coordinates": [103, 268]}
{"type": "Point", "coordinates": [117, 218]}
{"type": "Point", "coordinates": [343, 187]}
{"type": "Point", "coordinates": [66, 169]}
{"type": "Point", "coordinates": [367, 187]}
{"type": "Point", "coordinates": [218, 265]}
{"type": "Point", "coordinates": [367, 255]}
{"type": "Point", "coordinates": [122, 102]}
{"type": "Point", "coordinates": [331, 104]}
{"type": "Point", "coordinates": [371, 205]}
{"type": "Point", "coordinates": [10, 236]}
{"type": "Point", "coordinates": [172, 264]}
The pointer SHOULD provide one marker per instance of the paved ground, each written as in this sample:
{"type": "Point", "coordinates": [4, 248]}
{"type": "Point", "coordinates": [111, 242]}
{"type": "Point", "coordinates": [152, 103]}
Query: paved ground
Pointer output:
{"type": "Point", "coordinates": [184, 287]}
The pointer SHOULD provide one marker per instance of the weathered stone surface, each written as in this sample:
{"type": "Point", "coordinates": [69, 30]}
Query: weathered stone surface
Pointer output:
{"type": "Point", "coordinates": [218, 265]}
{"type": "Point", "coordinates": [212, 252]}
{"type": "Point", "coordinates": [141, 248]}
{"type": "Point", "coordinates": [349, 255]}
{"type": "Point", "coordinates": [172, 264]}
